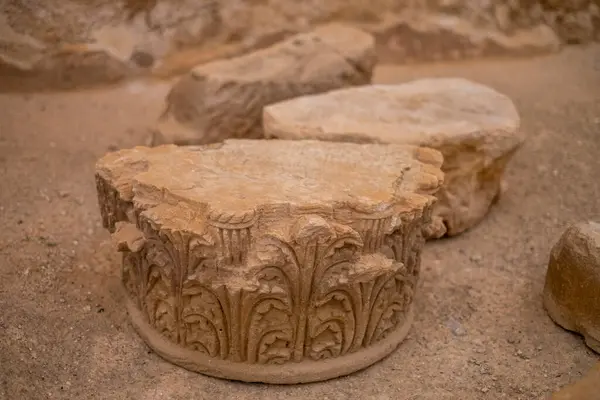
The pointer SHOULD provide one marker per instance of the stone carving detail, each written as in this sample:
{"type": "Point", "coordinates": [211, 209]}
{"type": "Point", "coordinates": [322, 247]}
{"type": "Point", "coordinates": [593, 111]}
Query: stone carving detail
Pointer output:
{"type": "Point", "coordinates": [247, 288]}
{"type": "Point", "coordinates": [304, 302]}
{"type": "Point", "coordinates": [112, 208]}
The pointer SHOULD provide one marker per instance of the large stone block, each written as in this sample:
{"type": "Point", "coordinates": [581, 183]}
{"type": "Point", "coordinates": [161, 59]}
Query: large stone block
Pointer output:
{"type": "Point", "coordinates": [270, 261]}
{"type": "Point", "coordinates": [473, 126]}
{"type": "Point", "coordinates": [572, 290]}
{"type": "Point", "coordinates": [224, 99]}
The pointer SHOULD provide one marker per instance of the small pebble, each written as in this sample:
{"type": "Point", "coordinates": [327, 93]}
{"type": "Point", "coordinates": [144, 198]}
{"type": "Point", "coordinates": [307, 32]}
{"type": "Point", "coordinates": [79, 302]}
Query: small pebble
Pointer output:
{"type": "Point", "coordinates": [513, 340]}
{"type": "Point", "coordinates": [475, 258]}
{"type": "Point", "coordinates": [142, 59]}
{"type": "Point", "coordinates": [456, 327]}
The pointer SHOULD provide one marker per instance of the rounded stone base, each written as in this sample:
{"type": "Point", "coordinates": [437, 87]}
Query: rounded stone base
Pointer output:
{"type": "Point", "coordinates": [289, 373]}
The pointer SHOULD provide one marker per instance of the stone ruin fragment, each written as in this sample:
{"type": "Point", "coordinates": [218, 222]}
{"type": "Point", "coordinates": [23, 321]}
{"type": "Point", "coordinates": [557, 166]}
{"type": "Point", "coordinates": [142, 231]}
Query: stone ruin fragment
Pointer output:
{"type": "Point", "coordinates": [270, 261]}
{"type": "Point", "coordinates": [475, 128]}
{"type": "Point", "coordinates": [224, 99]}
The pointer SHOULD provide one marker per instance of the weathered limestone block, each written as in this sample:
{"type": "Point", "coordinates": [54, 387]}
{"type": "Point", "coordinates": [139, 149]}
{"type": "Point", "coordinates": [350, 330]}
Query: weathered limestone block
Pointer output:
{"type": "Point", "coordinates": [270, 261]}
{"type": "Point", "coordinates": [572, 290]}
{"type": "Point", "coordinates": [473, 126]}
{"type": "Point", "coordinates": [587, 388]}
{"type": "Point", "coordinates": [224, 99]}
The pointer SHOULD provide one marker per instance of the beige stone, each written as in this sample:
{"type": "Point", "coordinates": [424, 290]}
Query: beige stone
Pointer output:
{"type": "Point", "coordinates": [572, 290]}
{"type": "Point", "coordinates": [419, 37]}
{"type": "Point", "coordinates": [66, 44]}
{"type": "Point", "coordinates": [587, 388]}
{"type": "Point", "coordinates": [224, 99]}
{"type": "Point", "coordinates": [473, 126]}
{"type": "Point", "coordinates": [270, 261]}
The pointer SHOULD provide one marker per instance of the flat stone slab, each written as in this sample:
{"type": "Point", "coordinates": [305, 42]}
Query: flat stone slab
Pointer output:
{"type": "Point", "coordinates": [224, 99]}
{"type": "Point", "coordinates": [270, 261]}
{"type": "Point", "coordinates": [475, 128]}
{"type": "Point", "coordinates": [572, 290]}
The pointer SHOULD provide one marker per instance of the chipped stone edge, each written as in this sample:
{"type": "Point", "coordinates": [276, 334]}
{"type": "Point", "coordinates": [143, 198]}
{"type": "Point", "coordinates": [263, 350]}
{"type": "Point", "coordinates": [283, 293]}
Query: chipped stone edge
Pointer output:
{"type": "Point", "coordinates": [408, 198]}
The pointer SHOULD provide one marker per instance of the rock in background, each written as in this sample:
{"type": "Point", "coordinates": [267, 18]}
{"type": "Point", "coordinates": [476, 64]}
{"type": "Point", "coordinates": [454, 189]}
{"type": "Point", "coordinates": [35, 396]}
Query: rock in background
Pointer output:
{"type": "Point", "coordinates": [225, 99]}
{"type": "Point", "coordinates": [572, 290]}
{"type": "Point", "coordinates": [72, 43]}
{"type": "Point", "coordinates": [588, 388]}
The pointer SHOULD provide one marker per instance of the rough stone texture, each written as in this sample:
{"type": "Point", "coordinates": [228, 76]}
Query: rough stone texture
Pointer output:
{"type": "Point", "coordinates": [419, 37]}
{"type": "Point", "coordinates": [574, 21]}
{"type": "Point", "coordinates": [474, 127]}
{"type": "Point", "coordinates": [224, 99]}
{"type": "Point", "coordinates": [588, 388]}
{"type": "Point", "coordinates": [270, 261]}
{"type": "Point", "coordinates": [74, 43]}
{"type": "Point", "coordinates": [572, 290]}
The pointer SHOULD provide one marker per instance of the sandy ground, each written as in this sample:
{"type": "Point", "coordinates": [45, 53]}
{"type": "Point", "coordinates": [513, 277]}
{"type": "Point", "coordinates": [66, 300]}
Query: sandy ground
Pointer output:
{"type": "Point", "coordinates": [480, 333]}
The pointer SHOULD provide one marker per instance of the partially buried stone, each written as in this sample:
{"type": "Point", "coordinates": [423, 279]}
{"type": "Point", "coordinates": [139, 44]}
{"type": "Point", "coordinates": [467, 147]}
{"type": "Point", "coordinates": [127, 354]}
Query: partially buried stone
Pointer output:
{"type": "Point", "coordinates": [270, 261]}
{"type": "Point", "coordinates": [587, 388]}
{"type": "Point", "coordinates": [475, 128]}
{"type": "Point", "coordinates": [572, 290]}
{"type": "Point", "coordinates": [224, 99]}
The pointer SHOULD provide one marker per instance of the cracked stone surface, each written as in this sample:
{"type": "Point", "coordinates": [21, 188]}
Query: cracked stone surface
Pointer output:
{"type": "Point", "coordinates": [224, 99]}
{"type": "Point", "coordinates": [572, 289]}
{"type": "Point", "coordinates": [270, 261]}
{"type": "Point", "coordinates": [475, 127]}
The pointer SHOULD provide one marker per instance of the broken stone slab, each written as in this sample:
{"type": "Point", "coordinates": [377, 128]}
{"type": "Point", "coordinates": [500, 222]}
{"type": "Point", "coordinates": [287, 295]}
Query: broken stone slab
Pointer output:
{"type": "Point", "coordinates": [224, 99]}
{"type": "Point", "coordinates": [270, 261]}
{"type": "Point", "coordinates": [587, 388]}
{"type": "Point", "coordinates": [473, 126]}
{"type": "Point", "coordinates": [572, 289]}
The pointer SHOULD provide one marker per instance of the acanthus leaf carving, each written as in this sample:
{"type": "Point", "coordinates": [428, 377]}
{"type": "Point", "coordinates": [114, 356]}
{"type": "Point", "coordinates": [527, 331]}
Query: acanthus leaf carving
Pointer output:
{"type": "Point", "coordinates": [289, 267]}
{"type": "Point", "coordinates": [309, 291]}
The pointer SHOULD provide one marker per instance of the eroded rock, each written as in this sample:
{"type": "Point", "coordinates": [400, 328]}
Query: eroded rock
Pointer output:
{"type": "Point", "coordinates": [572, 290]}
{"type": "Point", "coordinates": [224, 99]}
{"type": "Point", "coordinates": [178, 35]}
{"type": "Point", "coordinates": [473, 126]}
{"type": "Point", "coordinates": [271, 261]}
{"type": "Point", "coordinates": [587, 388]}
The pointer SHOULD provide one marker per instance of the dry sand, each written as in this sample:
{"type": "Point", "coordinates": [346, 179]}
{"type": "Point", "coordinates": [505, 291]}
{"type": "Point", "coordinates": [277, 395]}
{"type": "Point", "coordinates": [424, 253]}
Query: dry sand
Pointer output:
{"type": "Point", "coordinates": [480, 333]}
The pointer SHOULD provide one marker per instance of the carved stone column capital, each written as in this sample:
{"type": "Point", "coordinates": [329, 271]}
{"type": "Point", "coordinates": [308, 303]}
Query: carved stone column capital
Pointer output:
{"type": "Point", "coordinates": [271, 261]}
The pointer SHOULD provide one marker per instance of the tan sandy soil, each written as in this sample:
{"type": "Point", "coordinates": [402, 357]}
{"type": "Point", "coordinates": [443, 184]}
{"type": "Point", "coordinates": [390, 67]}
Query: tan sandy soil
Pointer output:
{"type": "Point", "coordinates": [480, 333]}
